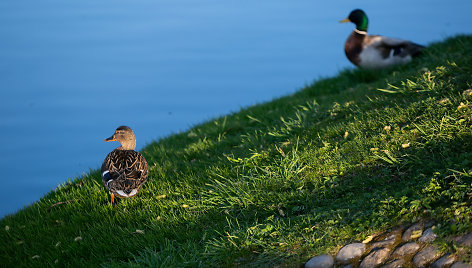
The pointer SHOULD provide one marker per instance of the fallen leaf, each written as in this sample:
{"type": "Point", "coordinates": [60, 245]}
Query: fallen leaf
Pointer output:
{"type": "Point", "coordinates": [138, 231]}
{"type": "Point", "coordinates": [416, 234]}
{"type": "Point", "coordinates": [59, 203]}
{"type": "Point", "coordinates": [368, 239]}
{"type": "Point", "coordinates": [461, 106]}
{"type": "Point", "coordinates": [444, 101]}
{"type": "Point", "coordinates": [467, 92]}
{"type": "Point", "coordinates": [281, 212]}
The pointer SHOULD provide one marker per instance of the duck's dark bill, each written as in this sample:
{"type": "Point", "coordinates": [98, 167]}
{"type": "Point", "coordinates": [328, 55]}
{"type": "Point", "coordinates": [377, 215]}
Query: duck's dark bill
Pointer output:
{"type": "Point", "coordinates": [112, 138]}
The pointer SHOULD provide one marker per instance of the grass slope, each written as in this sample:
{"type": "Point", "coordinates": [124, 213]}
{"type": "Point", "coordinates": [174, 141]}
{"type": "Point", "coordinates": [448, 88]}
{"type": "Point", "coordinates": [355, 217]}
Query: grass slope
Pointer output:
{"type": "Point", "coordinates": [278, 182]}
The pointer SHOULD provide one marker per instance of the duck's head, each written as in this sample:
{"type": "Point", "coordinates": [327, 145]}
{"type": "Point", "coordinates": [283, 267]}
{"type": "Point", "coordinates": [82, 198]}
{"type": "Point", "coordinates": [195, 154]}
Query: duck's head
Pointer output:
{"type": "Point", "coordinates": [359, 18]}
{"type": "Point", "coordinates": [125, 136]}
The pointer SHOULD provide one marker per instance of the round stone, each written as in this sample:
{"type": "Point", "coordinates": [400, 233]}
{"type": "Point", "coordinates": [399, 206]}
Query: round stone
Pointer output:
{"type": "Point", "coordinates": [461, 265]}
{"type": "Point", "coordinates": [350, 252]}
{"type": "Point", "coordinates": [321, 261]}
{"type": "Point", "coordinates": [413, 230]}
{"type": "Point", "coordinates": [426, 256]}
{"type": "Point", "coordinates": [395, 264]}
{"type": "Point", "coordinates": [444, 261]}
{"type": "Point", "coordinates": [406, 249]}
{"type": "Point", "coordinates": [375, 258]}
{"type": "Point", "coordinates": [428, 236]}
{"type": "Point", "coordinates": [465, 240]}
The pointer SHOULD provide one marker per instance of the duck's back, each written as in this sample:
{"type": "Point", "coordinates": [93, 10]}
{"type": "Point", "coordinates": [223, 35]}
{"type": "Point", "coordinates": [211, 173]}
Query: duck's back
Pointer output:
{"type": "Point", "coordinates": [124, 172]}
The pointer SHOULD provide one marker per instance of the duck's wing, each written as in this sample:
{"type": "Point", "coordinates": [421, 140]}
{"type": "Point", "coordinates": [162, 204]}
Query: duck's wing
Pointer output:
{"type": "Point", "coordinates": [394, 47]}
{"type": "Point", "coordinates": [124, 172]}
{"type": "Point", "coordinates": [111, 167]}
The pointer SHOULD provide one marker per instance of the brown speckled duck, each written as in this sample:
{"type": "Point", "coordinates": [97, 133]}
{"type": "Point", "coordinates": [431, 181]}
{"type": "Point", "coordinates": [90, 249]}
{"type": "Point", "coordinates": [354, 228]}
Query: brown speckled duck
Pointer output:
{"type": "Point", "coordinates": [124, 170]}
{"type": "Point", "coordinates": [375, 51]}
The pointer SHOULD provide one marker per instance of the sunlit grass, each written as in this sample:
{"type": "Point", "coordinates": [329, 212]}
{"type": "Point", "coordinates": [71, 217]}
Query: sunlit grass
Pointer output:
{"type": "Point", "coordinates": [278, 182]}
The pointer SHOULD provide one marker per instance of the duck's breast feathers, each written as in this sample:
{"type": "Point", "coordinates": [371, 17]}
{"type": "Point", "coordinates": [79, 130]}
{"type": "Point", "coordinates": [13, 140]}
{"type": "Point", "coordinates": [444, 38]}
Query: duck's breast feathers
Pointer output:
{"type": "Point", "coordinates": [353, 46]}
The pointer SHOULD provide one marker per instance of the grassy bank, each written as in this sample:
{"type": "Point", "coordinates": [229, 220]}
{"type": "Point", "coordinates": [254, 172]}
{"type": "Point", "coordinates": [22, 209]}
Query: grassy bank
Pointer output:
{"type": "Point", "coordinates": [278, 182]}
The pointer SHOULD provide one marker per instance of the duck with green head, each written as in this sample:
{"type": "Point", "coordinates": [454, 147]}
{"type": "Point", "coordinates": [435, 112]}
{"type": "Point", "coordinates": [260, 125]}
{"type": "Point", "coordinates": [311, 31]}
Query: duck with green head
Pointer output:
{"type": "Point", "coordinates": [376, 51]}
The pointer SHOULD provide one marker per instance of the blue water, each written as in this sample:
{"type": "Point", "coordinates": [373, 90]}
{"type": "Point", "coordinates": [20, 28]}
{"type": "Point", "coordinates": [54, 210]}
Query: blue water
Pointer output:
{"type": "Point", "coordinates": [72, 71]}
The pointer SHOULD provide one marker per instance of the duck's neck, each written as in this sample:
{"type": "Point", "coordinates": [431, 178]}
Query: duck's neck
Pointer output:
{"type": "Point", "coordinates": [360, 32]}
{"type": "Point", "coordinates": [127, 145]}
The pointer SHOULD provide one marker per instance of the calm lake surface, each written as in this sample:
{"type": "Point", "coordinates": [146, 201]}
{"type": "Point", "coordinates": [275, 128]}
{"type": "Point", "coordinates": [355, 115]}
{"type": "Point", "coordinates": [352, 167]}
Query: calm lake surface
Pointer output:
{"type": "Point", "coordinates": [73, 71]}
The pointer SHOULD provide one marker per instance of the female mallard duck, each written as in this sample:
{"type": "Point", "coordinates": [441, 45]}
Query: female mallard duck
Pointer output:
{"type": "Point", "coordinates": [124, 170]}
{"type": "Point", "coordinates": [375, 51]}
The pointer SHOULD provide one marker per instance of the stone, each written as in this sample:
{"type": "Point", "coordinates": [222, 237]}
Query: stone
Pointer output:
{"type": "Point", "coordinates": [384, 243]}
{"type": "Point", "coordinates": [396, 234]}
{"type": "Point", "coordinates": [398, 263]}
{"type": "Point", "coordinates": [464, 240]}
{"type": "Point", "coordinates": [350, 252]}
{"type": "Point", "coordinates": [428, 236]}
{"type": "Point", "coordinates": [444, 261]}
{"type": "Point", "coordinates": [376, 257]}
{"type": "Point", "coordinates": [413, 231]}
{"type": "Point", "coordinates": [461, 265]}
{"type": "Point", "coordinates": [406, 249]}
{"type": "Point", "coordinates": [389, 240]}
{"type": "Point", "coordinates": [321, 261]}
{"type": "Point", "coordinates": [426, 256]}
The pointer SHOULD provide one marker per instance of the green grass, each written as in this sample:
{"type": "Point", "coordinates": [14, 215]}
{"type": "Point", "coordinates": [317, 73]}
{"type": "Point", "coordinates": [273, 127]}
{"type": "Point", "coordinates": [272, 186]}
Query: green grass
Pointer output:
{"type": "Point", "coordinates": [279, 182]}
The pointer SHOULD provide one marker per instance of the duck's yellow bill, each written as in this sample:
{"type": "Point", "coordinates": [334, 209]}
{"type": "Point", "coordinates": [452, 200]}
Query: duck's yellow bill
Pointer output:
{"type": "Point", "coordinates": [345, 20]}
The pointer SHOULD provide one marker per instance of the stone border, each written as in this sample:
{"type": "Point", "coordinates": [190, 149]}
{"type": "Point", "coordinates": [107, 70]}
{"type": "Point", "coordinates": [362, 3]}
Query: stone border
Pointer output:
{"type": "Point", "coordinates": [406, 246]}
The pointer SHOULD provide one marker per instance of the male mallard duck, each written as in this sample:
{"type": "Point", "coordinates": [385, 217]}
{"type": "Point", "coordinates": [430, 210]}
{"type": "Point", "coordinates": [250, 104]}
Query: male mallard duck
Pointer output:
{"type": "Point", "coordinates": [375, 51]}
{"type": "Point", "coordinates": [124, 170]}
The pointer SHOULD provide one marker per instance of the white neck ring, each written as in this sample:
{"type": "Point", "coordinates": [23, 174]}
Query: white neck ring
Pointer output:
{"type": "Point", "coordinates": [360, 32]}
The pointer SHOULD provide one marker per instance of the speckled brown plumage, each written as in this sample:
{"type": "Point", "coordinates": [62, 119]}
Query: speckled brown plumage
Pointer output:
{"type": "Point", "coordinates": [124, 171]}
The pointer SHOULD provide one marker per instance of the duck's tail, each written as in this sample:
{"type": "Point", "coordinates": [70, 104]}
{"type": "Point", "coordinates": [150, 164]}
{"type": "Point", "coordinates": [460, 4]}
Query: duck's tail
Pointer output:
{"type": "Point", "coordinates": [413, 49]}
